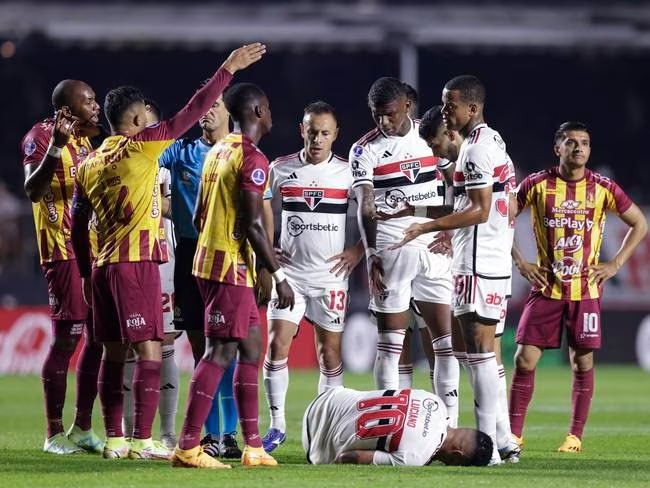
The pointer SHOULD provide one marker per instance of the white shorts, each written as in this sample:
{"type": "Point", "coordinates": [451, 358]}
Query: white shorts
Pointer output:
{"type": "Point", "coordinates": [324, 305]}
{"type": "Point", "coordinates": [412, 272]}
{"type": "Point", "coordinates": [504, 311]}
{"type": "Point", "coordinates": [482, 296]}
{"type": "Point", "coordinates": [167, 288]}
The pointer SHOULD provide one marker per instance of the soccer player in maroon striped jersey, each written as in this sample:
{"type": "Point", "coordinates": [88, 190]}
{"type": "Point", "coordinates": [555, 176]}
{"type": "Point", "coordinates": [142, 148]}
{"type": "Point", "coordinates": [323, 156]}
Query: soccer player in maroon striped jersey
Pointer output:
{"type": "Point", "coordinates": [52, 150]}
{"type": "Point", "coordinates": [568, 204]}
{"type": "Point", "coordinates": [119, 182]}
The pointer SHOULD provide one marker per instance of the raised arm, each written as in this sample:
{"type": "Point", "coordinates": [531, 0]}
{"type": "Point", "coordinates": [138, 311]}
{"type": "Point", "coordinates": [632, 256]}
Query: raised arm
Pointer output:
{"type": "Point", "coordinates": [41, 160]}
{"type": "Point", "coordinates": [203, 99]}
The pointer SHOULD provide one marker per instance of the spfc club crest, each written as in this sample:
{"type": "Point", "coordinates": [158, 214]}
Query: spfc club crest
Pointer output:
{"type": "Point", "coordinates": [410, 169]}
{"type": "Point", "coordinates": [312, 197]}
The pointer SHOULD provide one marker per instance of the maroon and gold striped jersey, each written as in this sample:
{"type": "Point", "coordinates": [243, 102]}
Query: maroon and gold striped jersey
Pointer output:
{"type": "Point", "coordinates": [52, 212]}
{"type": "Point", "coordinates": [568, 219]}
{"type": "Point", "coordinates": [223, 253]}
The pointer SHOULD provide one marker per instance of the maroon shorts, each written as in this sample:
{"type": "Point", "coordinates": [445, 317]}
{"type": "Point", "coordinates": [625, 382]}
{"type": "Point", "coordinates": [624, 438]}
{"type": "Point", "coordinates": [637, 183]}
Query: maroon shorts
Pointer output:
{"type": "Point", "coordinates": [230, 310]}
{"type": "Point", "coordinates": [64, 289]}
{"type": "Point", "coordinates": [127, 303]}
{"type": "Point", "coordinates": [543, 320]}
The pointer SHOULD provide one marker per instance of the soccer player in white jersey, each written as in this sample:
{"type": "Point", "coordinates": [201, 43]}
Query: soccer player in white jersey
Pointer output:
{"type": "Point", "coordinates": [391, 166]}
{"type": "Point", "coordinates": [314, 186]}
{"type": "Point", "coordinates": [395, 427]}
{"type": "Point", "coordinates": [482, 242]}
{"type": "Point", "coordinates": [446, 144]}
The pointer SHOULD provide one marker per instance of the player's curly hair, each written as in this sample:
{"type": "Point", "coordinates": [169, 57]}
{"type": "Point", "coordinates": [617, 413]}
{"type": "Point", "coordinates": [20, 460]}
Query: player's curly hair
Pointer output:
{"type": "Point", "coordinates": [240, 97]}
{"type": "Point", "coordinates": [386, 90]}
{"type": "Point", "coordinates": [483, 452]}
{"type": "Point", "coordinates": [561, 131]}
{"type": "Point", "coordinates": [118, 101]}
{"type": "Point", "coordinates": [431, 122]}
{"type": "Point", "coordinates": [471, 89]}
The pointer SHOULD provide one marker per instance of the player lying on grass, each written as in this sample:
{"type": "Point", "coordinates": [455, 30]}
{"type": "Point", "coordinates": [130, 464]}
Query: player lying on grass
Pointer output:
{"type": "Point", "coordinates": [398, 427]}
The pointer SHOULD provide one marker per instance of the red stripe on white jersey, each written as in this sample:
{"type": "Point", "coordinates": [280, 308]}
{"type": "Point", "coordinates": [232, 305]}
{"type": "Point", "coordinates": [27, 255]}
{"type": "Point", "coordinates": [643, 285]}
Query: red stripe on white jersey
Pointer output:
{"type": "Point", "coordinates": [297, 191]}
{"type": "Point", "coordinates": [396, 167]}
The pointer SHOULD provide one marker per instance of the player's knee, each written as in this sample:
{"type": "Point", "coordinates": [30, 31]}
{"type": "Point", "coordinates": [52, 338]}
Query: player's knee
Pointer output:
{"type": "Point", "coordinates": [524, 363]}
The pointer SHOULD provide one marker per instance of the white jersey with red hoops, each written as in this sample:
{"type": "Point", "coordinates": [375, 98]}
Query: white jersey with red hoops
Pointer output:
{"type": "Point", "coordinates": [314, 207]}
{"type": "Point", "coordinates": [484, 249]}
{"type": "Point", "coordinates": [401, 169]}
{"type": "Point", "coordinates": [404, 427]}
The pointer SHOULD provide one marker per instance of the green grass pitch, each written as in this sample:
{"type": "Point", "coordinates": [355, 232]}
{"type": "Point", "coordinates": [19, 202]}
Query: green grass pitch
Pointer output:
{"type": "Point", "coordinates": [616, 444]}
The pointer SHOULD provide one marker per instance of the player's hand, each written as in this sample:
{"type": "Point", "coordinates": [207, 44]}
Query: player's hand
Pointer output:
{"type": "Point", "coordinates": [346, 261]}
{"type": "Point", "coordinates": [263, 287]}
{"type": "Point", "coordinates": [441, 244]}
{"type": "Point", "coordinates": [413, 231]}
{"type": "Point", "coordinates": [285, 295]}
{"type": "Point", "coordinates": [376, 275]}
{"type": "Point", "coordinates": [62, 129]}
{"type": "Point", "coordinates": [535, 275]}
{"type": "Point", "coordinates": [244, 56]}
{"type": "Point", "coordinates": [282, 256]}
{"type": "Point", "coordinates": [405, 210]}
{"type": "Point", "coordinates": [87, 291]}
{"type": "Point", "coordinates": [601, 272]}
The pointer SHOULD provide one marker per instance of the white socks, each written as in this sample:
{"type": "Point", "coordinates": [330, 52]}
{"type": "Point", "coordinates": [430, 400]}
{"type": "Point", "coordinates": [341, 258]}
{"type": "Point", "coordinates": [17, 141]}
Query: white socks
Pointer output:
{"type": "Point", "coordinates": [389, 349]}
{"type": "Point", "coordinates": [276, 384]}
{"type": "Point", "coordinates": [483, 367]}
{"type": "Point", "coordinates": [446, 376]}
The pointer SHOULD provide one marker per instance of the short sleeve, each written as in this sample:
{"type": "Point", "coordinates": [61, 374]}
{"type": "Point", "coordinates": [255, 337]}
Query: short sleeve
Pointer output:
{"type": "Point", "coordinates": [523, 190]}
{"type": "Point", "coordinates": [270, 190]}
{"type": "Point", "coordinates": [34, 145]}
{"type": "Point", "coordinates": [477, 167]}
{"type": "Point", "coordinates": [443, 164]}
{"type": "Point", "coordinates": [169, 156]}
{"type": "Point", "coordinates": [618, 200]}
{"type": "Point", "coordinates": [80, 202]}
{"type": "Point", "coordinates": [362, 164]}
{"type": "Point", "coordinates": [380, 458]}
{"type": "Point", "coordinates": [255, 170]}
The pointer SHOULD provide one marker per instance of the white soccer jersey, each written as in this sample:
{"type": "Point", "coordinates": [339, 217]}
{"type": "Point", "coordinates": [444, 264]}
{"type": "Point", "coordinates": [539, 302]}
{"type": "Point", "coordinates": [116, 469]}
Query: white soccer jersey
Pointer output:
{"type": "Point", "coordinates": [406, 427]}
{"type": "Point", "coordinates": [314, 206]}
{"type": "Point", "coordinates": [400, 169]}
{"type": "Point", "coordinates": [484, 249]}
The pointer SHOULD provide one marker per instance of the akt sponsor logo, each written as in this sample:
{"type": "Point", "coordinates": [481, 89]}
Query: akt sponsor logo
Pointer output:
{"type": "Point", "coordinates": [135, 321]}
{"type": "Point", "coordinates": [566, 268]}
{"type": "Point", "coordinates": [569, 243]}
{"type": "Point", "coordinates": [296, 226]}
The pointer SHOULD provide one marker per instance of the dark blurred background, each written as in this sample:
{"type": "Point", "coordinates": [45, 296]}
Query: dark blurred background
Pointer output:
{"type": "Point", "coordinates": [542, 62]}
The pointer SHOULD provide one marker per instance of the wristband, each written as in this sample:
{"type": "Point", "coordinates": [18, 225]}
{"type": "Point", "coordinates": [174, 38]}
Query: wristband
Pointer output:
{"type": "Point", "coordinates": [420, 211]}
{"type": "Point", "coordinates": [370, 252]}
{"type": "Point", "coordinates": [54, 151]}
{"type": "Point", "coordinates": [278, 275]}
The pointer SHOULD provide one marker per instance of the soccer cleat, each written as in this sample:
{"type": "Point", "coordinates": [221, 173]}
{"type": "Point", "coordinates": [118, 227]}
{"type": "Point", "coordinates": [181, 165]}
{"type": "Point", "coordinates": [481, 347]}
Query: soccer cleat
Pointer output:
{"type": "Point", "coordinates": [116, 448]}
{"type": "Point", "coordinates": [86, 439]}
{"type": "Point", "coordinates": [273, 439]}
{"type": "Point", "coordinates": [149, 449]}
{"type": "Point", "coordinates": [510, 452]}
{"type": "Point", "coordinates": [60, 444]}
{"type": "Point", "coordinates": [195, 458]}
{"type": "Point", "coordinates": [518, 440]}
{"type": "Point", "coordinates": [211, 446]}
{"type": "Point", "coordinates": [570, 444]}
{"type": "Point", "coordinates": [230, 448]}
{"type": "Point", "coordinates": [257, 456]}
{"type": "Point", "coordinates": [168, 440]}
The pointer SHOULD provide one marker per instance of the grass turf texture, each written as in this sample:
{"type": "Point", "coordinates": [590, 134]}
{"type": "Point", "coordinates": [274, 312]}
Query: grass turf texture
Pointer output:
{"type": "Point", "coordinates": [615, 447]}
